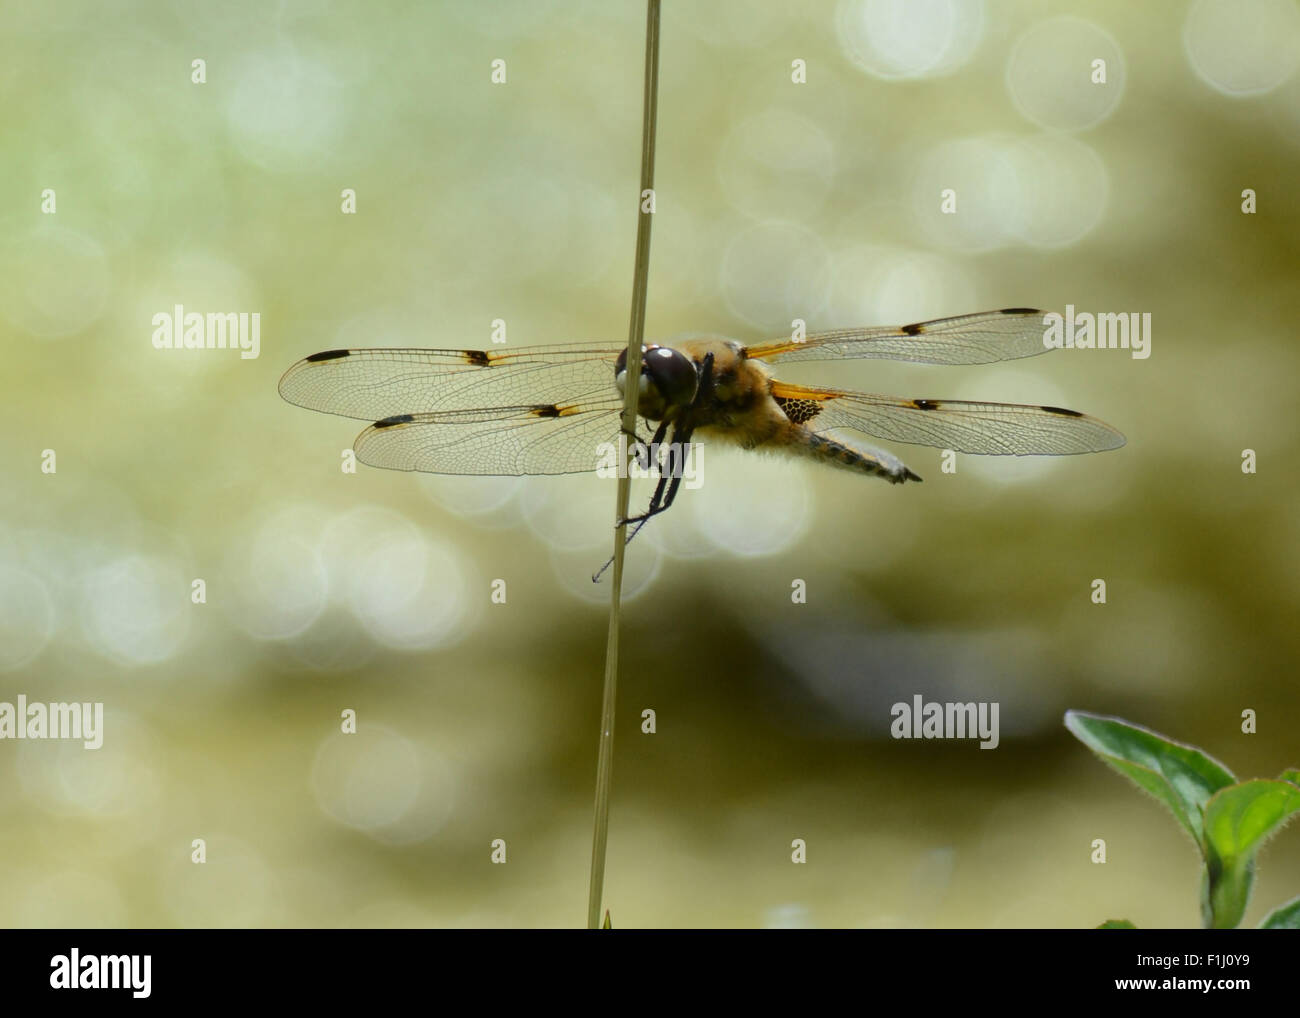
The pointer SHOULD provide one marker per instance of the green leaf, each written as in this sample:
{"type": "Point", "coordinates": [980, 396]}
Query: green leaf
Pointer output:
{"type": "Point", "coordinates": [1291, 774]}
{"type": "Point", "coordinates": [1180, 776]}
{"type": "Point", "coordinates": [607, 925]}
{"type": "Point", "coordinates": [1117, 924]}
{"type": "Point", "coordinates": [1285, 917]}
{"type": "Point", "coordinates": [1238, 820]}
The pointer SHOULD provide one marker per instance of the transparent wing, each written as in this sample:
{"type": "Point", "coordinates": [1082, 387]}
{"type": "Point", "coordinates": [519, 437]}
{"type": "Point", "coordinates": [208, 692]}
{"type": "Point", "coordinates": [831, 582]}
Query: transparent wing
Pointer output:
{"type": "Point", "coordinates": [995, 429]}
{"type": "Point", "coordinates": [966, 339]}
{"type": "Point", "coordinates": [543, 439]}
{"type": "Point", "coordinates": [374, 384]}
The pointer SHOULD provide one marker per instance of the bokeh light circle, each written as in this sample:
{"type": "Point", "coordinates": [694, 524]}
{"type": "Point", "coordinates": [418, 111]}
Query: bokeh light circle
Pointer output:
{"type": "Point", "coordinates": [1243, 47]}
{"type": "Point", "coordinates": [383, 784]}
{"type": "Point", "coordinates": [776, 164]}
{"type": "Point", "coordinates": [26, 616]}
{"type": "Point", "coordinates": [883, 285]}
{"type": "Point", "coordinates": [1050, 74]}
{"type": "Point", "coordinates": [1063, 190]}
{"type": "Point", "coordinates": [286, 111]}
{"type": "Point", "coordinates": [408, 591]}
{"type": "Point", "coordinates": [1047, 191]}
{"type": "Point", "coordinates": [137, 609]}
{"type": "Point", "coordinates": [276, 575]}
{"type": "Point", "coordinates": [964, 192]}
{"type": "Point", "coordinates": [748, 504]}
{"type": "Point", "coordinates": [901, 39]}
{"type": "Point", "coordinates": [235, 887]}
{"type": "Point", "coordinates": [773, 273]}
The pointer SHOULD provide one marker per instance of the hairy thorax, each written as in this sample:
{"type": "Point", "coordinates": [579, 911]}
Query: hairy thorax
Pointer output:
{"type": "Point", "coordinates": [736, 404]}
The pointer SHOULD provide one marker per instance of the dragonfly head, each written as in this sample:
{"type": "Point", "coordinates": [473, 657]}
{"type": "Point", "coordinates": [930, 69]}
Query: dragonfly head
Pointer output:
{"type": "Point", "coordinates": [668, 380]}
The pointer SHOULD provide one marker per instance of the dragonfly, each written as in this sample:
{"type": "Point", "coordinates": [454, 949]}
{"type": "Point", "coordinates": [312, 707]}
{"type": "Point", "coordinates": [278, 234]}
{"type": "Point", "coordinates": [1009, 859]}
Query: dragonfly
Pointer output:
{"type": "Point", "coordinates": [552, 409]}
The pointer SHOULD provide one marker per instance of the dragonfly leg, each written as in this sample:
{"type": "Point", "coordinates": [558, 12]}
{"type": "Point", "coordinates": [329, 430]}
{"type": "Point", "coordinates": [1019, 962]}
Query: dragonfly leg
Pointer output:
{"type": "Point", "coordinates": [670, 483]}
{"type": "Point", "coordinates": [656, 505]}
{"type": "Point", "coordinates": [645, 450]}
{"type": "Point", "coordinates": [665, 492]}
{"type": "Point", "coordinates": [681, 444]}
{"type": "Point", "coordinates": [667, 488]}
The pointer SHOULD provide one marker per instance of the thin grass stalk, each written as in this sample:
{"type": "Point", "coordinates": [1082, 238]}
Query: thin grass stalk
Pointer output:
{"type": "Point", "coordinates": [636, 333]}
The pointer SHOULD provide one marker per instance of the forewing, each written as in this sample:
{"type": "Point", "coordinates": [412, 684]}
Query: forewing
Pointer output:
{"type": "Point", "coordinates": [542, 439]}
{"type": "Point", "coordinates": [374, 384]}
{"type": "Point", "coordinates": [966, 339]}
{"type": "Point", "coordinates": [995, 429]}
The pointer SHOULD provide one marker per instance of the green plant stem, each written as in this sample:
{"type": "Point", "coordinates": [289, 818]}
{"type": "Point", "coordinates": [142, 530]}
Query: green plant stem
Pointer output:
{"type": "Point", "coordinates": [636, 332]}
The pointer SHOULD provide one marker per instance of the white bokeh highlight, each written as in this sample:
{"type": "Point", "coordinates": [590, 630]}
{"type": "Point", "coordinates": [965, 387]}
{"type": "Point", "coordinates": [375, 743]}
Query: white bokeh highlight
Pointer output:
{"type": "Point", "coordinates": [1243, 47]}
{"type": "Point", "coordinates": [384, 784]}
{"type": "Point", "coordinates": [750, 506]}
{"type": "Point", "coordinates": [776, 164]}
{"type": "Point", "coordinates": [26, 616]}
{"type": "Point", "coordinates": [773, 273]}
{"type": "Point", "coordinates": [1063, 192]}
{"type": "Point", "coordinates": [408, 591]}
{"type": "Point", "coordinates": [908, 39]}
{"type": "Point", "coordinates": [136, 609]}
{"type": "Point", "coordinates": [485, 500]}
{"type": "Point", "coordinates": [286, 111]}
{"type": "Point", "coordinates": [1050, 74]}
{"type": "Point", "coordinates": [1047, 191]}
{"type": "Point", "coordinates": [276, 578]}
{"type": "Point", "coordinates": [235, 888]}
{"type": "Point", "coordinates": [123, 778]}
{"type": "Point", "coordinates": [884, 285]}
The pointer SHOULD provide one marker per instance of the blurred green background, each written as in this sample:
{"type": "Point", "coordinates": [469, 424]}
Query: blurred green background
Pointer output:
{"type": "Point", "coordinates": [371, 591]}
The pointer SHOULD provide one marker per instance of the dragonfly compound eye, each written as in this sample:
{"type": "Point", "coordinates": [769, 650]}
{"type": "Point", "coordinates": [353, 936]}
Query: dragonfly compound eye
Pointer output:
{"type": "Point", "coordinates": [672, 373]}
{"type": "Point", "coordinates": [620, 370]}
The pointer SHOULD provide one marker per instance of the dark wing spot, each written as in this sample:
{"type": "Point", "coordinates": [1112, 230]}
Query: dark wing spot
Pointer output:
{"type": "Point", "coordinates": [389, 422]}
{"type": "Point", "coordinates": [1020, 311]}
{"type": "Point", "coordinates": [915, 329]}
{"type": "Point", "coordinates": [1061, 410]}
{"type": "Point", "coordinates": [926, 404]}
{"type": "Point", "coordinates": [479, 358]}
{"type": "Point", "coordinates": [546, 411]}
{"type": "Point", "coordinates": [328, 355]}
{"type": "Point", "coordinates": [800, 411]}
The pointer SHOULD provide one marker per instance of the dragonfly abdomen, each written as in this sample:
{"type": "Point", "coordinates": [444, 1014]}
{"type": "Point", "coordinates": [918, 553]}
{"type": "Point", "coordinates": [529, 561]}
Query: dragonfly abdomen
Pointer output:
{"type": "Point", "coordinates": [874, 462]}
